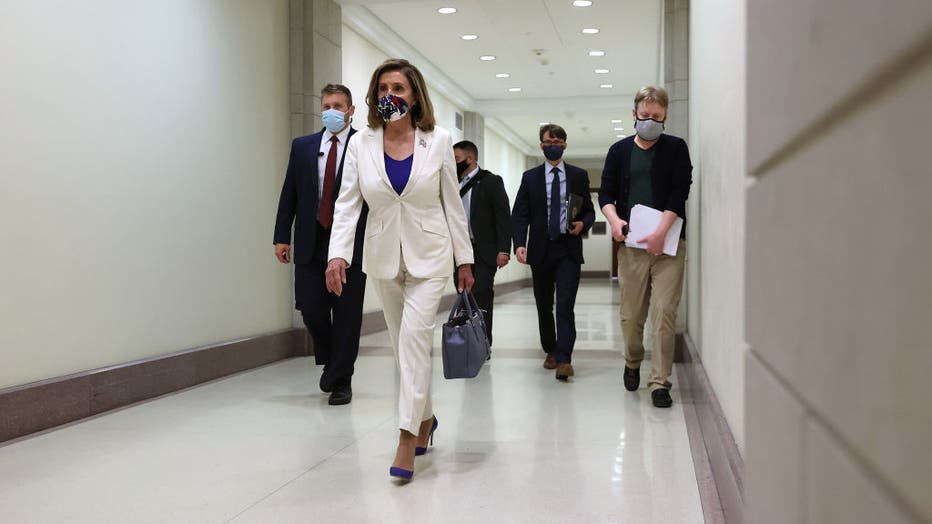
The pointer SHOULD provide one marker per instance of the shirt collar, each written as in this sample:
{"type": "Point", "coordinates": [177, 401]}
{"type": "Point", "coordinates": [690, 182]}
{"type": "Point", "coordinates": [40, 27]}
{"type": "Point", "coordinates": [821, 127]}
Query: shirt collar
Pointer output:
{"type": "Point", "coordinates": [561, 166]}
{"type": "Point", "coordinates": [470, 175]}
{"type": "Point", "coordinates": [341, 136]}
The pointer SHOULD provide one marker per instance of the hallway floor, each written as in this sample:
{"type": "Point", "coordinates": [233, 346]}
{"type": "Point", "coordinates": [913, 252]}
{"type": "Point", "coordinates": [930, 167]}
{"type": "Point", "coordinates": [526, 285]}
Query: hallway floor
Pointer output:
{"type": "Point", "coordinates": [513, 445]}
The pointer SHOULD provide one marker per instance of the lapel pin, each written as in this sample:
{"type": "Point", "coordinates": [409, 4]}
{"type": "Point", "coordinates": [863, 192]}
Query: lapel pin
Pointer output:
{"type": "Point", "coordinates": [422, 143]}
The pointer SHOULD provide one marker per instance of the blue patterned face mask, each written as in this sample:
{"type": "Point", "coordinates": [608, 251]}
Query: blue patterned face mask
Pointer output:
{"type": "Point", "coordinates": [392, 108]}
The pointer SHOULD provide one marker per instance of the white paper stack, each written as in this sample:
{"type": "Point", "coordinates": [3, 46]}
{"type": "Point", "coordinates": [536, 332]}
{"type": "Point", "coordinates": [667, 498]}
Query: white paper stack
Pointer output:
{"type": "Point", "coordinates": [644, 221]}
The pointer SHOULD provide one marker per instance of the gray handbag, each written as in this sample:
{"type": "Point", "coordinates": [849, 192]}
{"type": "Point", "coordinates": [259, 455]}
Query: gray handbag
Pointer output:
{"type": "Point", "coordinates": [465, 344]}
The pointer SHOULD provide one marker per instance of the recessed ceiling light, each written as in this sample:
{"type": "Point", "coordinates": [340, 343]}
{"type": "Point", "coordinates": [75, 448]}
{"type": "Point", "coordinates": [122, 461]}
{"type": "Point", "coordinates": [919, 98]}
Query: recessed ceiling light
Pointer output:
{"type": "Point", "coordinates": [616, 121]}
{"type": "Point", "coordinates": [487, 58]}
{"type": "Point", "coordinates": [606, 86]}
{"type": "Point", "coordinates": [596, 53]}
{"type": "Point", "coordinates": [446, 10]}
{"type": "Point", "coordinates": [620, 136]}
{"type": "Point", "coordinates": [502, 75]}
{"type": "Point", "coordinates": [582, 3]}
{"type": "Point", "coordinates": [469, 37]}
{"type": "Point", "coordinates": [544, 123]}
{"type": "Point", "coordinates": [600, 71]}
{"type": "Point", "coordinates": [619, 129]}
{"type": "Point", "coordinates": [514, 89]}
{"type": "Point", "coordinates": [590, 31]}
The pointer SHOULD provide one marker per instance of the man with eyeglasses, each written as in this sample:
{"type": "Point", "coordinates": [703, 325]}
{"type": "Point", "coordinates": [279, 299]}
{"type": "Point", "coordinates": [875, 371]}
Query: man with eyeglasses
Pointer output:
{"type": "Point", "coordinates": [552, 210]}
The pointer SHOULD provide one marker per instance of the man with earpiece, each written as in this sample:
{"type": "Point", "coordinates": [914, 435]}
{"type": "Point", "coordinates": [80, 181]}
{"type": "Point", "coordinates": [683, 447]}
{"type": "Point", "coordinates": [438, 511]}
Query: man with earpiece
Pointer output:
{"type": "Point", "coordinates": [312, 185]}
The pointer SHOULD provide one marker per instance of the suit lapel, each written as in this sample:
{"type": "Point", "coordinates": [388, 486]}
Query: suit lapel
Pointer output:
{"type": "Point", "coordinates": [377, 151]}
{"type": "Point", "coordinates": [422, 142]}
{"type": "Point", "coordinates": [339, 180]}
{"type": "Point", "coordinates": [312, 170]}
{"type": "Point", "coordinates": [542, 185]}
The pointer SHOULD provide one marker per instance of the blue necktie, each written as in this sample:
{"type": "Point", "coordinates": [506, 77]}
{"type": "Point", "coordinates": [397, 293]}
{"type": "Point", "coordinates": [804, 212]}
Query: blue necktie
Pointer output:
{"type": "Point", "coordinates": [555, 206]}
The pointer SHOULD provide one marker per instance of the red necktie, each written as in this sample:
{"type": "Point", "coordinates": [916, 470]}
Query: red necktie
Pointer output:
{"type": "Point", "coordinates": [325, 211]}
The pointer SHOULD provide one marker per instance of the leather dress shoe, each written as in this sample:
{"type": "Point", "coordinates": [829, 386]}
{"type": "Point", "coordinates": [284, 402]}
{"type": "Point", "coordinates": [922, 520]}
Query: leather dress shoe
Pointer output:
{"type": "Point", "coordinates": [341, 395]}
{"type": "Point", "coordinates": [564, 371]}
{"type": "Point", "coordinates": [632, 378]}
{"type": "Point", "coordinates": [550, 362]}
{"type": "Point", "coordinates": [661, 398]}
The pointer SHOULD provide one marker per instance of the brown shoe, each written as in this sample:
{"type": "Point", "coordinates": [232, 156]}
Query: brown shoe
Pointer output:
{"type": "Point", "coordinates": [564, 371]}
{"type": "Point", "coordinates": [550, 362]}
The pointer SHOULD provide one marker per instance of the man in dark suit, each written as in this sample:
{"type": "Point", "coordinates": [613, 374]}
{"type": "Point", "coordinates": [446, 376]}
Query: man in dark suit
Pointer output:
{"type": "Point", "coordinates": [554, 249]}
{"type": "Point", "coordinates": [312, 184]}
{"type": "Point", "coordinates": [486, 204]}
{"type": "Point", "coordinates": [652, 169]}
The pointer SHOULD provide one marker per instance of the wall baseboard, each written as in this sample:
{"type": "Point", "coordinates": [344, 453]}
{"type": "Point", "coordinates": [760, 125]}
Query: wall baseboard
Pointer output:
{"type": "Point", "coordinates": [719, 465]}
{"type": "Point", "coordinates": [42, 405]}
{"type": "Point", "coordinates": [37, 406]}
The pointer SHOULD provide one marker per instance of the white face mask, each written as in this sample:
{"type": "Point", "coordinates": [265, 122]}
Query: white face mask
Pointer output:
{"type": "Point", "coordinates": [648, 129]}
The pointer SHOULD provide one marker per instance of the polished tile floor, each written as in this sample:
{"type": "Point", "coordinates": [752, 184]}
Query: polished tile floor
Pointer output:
{"type": "Point", "coordinates": [514, 445]}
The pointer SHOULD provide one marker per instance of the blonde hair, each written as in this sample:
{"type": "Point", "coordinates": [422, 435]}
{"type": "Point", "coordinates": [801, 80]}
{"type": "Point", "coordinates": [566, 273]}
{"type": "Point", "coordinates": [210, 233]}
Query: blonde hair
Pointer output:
{"type": "Point", "coordinates": [652, 94]}
{"type": "Point", "coordinates": [422, 111]}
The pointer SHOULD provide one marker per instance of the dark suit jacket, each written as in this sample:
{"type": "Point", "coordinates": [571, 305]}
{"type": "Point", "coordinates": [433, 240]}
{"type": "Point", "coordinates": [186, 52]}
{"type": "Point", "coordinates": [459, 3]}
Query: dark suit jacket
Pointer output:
{"type": "Point", "coordinates": [489, 218]}
{"type": "Point", "coordinates": [299, 201]}
{"type": "Point", "coordinates": [670, 173]}
{"type": "Point", "coordinates": [530, 212]}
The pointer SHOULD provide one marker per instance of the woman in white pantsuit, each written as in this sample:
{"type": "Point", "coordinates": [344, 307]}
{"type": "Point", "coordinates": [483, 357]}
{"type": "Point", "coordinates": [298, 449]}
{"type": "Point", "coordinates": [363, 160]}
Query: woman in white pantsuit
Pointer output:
{"type": "Point", "coordinates": [402, 166]}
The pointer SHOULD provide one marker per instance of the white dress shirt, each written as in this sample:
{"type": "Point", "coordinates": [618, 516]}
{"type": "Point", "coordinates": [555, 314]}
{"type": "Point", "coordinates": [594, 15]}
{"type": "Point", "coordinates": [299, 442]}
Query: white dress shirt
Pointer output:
{"type": "Point", "coordinates": [342, 137]}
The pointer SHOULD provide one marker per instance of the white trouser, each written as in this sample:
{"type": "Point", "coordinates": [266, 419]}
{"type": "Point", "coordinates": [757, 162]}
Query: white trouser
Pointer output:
{"type": "Point", "coordinates": [410, 305]}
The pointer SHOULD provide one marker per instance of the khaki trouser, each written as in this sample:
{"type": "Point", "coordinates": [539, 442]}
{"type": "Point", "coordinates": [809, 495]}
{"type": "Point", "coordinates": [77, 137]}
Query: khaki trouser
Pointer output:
{"type": "Point", "coordinates": [651, 284]}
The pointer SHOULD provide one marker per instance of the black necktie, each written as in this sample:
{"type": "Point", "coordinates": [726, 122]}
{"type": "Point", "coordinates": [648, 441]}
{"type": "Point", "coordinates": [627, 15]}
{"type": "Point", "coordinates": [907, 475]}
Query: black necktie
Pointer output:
{"type": "Point", "coordinates": [555, 206]}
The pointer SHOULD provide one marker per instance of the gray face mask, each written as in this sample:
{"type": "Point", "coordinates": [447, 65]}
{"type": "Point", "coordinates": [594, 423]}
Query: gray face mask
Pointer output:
{"type": "Point", "coordinates": [648, 129]}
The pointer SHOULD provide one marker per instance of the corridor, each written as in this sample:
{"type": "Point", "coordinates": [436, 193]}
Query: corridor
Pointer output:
{"type": "Point", "coordinates": [513, 445]}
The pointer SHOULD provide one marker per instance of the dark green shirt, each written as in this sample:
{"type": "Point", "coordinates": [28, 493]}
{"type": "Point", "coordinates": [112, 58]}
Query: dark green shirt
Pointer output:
{"type": "Point", "coordinates": [641, 189]}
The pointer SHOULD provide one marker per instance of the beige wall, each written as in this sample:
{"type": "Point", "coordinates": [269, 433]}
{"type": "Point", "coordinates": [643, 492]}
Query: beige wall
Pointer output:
{"type": "Point", "coordinates": [142, 148]}
{"type": "Point", "coordinates": [506, 161]}
{"type": "Point", "coordinates": [839, 294]}
{"type": "Point", "coordinates": [716, 204]}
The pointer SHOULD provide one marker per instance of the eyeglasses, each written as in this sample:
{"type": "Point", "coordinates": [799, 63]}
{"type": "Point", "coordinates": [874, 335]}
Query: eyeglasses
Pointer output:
{"type": "Point", "coordinates": [553, 143]}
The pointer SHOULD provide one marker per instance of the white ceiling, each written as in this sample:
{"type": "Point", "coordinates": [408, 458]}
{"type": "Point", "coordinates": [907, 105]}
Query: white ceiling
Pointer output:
{"type": "Point", "coordinates": [540, 44]}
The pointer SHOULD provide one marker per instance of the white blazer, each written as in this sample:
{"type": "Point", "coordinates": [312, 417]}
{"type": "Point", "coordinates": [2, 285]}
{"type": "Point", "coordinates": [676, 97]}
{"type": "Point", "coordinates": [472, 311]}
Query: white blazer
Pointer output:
{"type": "Point", "coordinates": [426, 221]}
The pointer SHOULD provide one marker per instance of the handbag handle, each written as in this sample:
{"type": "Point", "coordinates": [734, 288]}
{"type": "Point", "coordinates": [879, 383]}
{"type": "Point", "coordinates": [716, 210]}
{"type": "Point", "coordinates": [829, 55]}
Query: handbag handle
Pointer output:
{"type": "Point", "coordinates": [466, 299]}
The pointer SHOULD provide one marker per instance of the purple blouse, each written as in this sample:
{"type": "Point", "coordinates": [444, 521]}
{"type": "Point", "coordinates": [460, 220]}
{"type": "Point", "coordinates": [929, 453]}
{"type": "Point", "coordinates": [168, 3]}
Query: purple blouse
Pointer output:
{"type": "Point", "coordinates": [399, 171]}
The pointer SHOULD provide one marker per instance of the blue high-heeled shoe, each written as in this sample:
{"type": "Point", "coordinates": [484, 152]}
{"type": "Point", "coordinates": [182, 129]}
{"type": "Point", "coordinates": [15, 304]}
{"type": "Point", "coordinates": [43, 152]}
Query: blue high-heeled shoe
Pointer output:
{"type": "Point", "coordinates": [400, 473]}
{"type": "Point", "coordinates": [418, 451]}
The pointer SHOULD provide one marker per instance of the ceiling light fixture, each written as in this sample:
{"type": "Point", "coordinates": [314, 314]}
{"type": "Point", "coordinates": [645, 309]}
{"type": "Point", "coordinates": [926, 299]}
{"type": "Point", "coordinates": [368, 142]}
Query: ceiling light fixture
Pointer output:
{"type": "Point", "coordinates": [606, 86]}
{"type": "Point", "coordinates": [596, 53]}
{"type": "Point", "coordinates": [502, 75]}
{"type": "Point", "coordinates": [487, 58]}
{"type": "Point", "coordinates": [619, 129]}
{"type": "Point", "coordinates": [616, 121]}
{"type": "Point", "coordinates": [544, 123]}
{"type": "Point", "coordinates": [469, 37]}
{"type": "Point", "coordinates": [582, 3]}
{"type": "Point", "coordinates": [514, 89]}
{"type": "Point", "coordinates": [600, 71]}
{"type": "Point", "coordinates": [446, 10]}
{"type": "Point", "coordinates": [590, 31]}
{"type": "Point", "coordinates": [620, 136]}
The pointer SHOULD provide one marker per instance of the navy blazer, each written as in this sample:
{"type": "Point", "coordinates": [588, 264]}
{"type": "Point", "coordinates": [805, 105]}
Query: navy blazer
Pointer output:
{"type": "Point", "coordinates": [670, 174]}
{"type": "Point", "coordinates": [299, 200]}
{"type": "Point", "coordinates": [529, 215]}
